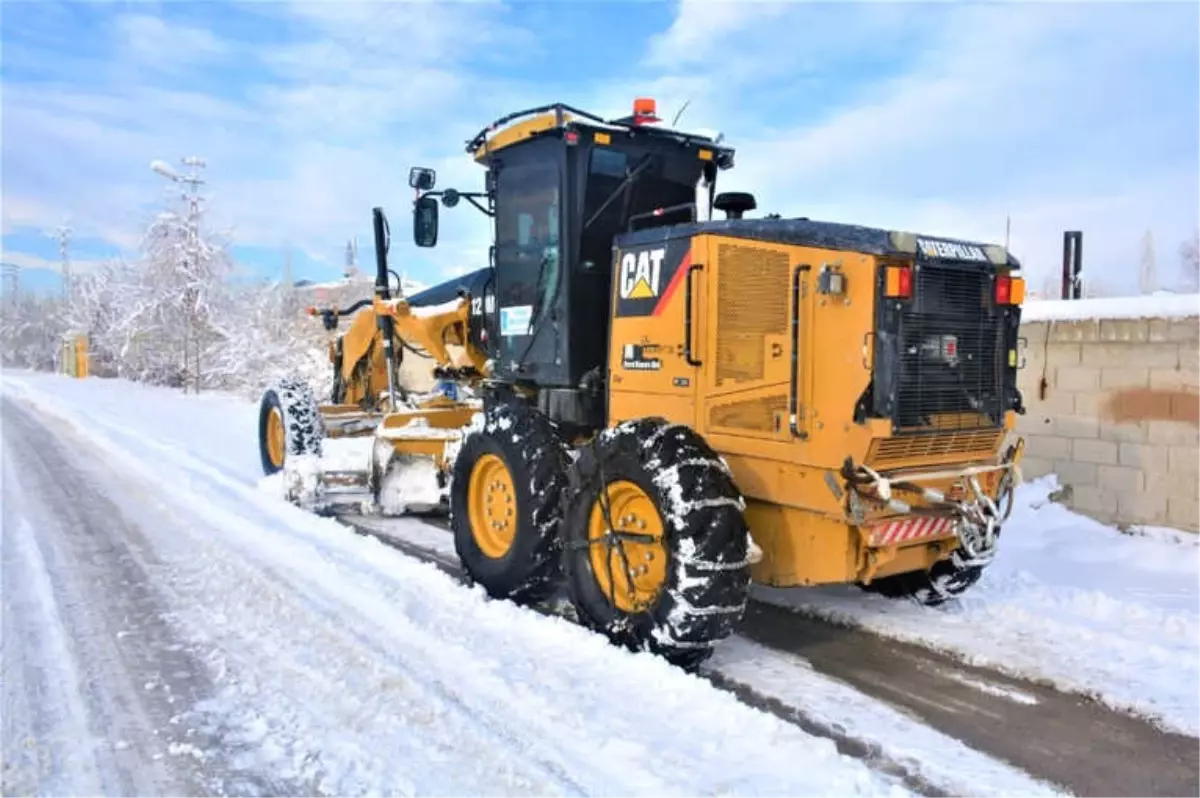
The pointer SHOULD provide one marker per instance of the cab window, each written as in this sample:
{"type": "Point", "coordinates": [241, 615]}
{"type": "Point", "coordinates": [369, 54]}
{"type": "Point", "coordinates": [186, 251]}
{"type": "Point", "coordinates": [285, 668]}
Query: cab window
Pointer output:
{"type": "Point", "coordinates": [527, 233]}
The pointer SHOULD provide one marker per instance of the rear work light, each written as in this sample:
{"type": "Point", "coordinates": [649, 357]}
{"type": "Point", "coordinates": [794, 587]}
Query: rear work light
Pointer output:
{"type": "Point", "coordinates": [898, 282]}
{"type": "Point", "coordinates": [1010, 290]}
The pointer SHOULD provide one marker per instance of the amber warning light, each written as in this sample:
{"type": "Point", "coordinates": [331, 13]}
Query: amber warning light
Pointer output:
{"type": "Point", "coordinates": [645, 109]}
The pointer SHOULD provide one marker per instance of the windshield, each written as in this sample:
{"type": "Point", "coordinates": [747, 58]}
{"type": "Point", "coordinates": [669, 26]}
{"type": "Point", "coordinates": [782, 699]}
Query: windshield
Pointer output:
{"type": "Point", "coordinates": [655, 186]}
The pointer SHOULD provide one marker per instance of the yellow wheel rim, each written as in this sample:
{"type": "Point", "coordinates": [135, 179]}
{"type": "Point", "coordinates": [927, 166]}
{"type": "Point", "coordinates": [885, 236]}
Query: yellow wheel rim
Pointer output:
{"type": "Point", "coordinates": [276, 440]}
{"type": "Point", "coordinates": [492, 506]}
{"type": "Point", "coordinates": [638, 567]}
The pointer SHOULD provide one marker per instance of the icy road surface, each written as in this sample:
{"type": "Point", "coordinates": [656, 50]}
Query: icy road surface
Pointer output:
{"type": "Point", "coordinates": [169, 629]}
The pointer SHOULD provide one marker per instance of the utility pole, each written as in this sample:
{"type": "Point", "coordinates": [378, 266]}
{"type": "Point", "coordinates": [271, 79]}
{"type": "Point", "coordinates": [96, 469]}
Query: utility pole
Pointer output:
{"type": "Point", "coordinates": [1072, 269]}
{"type": "Point", "coordinates": [10, 275]}
{"type": "Point", "coordinates": [348, 267]}
{"type": "Point", "coordinates": [64, 250]}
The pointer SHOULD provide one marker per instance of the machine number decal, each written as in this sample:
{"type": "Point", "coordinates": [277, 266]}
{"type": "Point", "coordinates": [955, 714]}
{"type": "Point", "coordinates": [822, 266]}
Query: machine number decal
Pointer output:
{"type": "Point", "coordinates": [648, 276]}
{"type": "Point", "coordinates": [633, 357]}
{"type": "Point", "coordinates": [515, 320]}
{"type": "Point", "coordinates": [950, 250]}
{"type": "Point", "coordinates": [480, 306]}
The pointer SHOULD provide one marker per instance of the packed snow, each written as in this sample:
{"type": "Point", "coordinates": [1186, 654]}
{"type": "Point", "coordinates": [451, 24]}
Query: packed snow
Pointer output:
{"type": "Point", "coordinates": [1067, 601]}
{"type": "Point", "coordinates": [1171, 306]}
{"type": "Point", "coordinates": [343, 663]}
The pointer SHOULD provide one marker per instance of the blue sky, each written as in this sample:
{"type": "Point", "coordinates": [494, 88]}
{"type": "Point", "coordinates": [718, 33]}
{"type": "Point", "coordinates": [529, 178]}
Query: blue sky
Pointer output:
{"type": "Point", "coordinates": [941, 118]}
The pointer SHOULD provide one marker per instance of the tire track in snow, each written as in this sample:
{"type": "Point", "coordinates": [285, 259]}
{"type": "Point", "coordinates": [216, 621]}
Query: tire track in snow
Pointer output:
{"type": "Point", "coordinates": [96, 685]}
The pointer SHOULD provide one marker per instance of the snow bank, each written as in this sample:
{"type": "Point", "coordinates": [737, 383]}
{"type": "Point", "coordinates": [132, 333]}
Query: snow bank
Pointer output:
{"type": "Point", "coordinates": [1171, 306]}
{"type": "Point", "coordinates": [1067, 601]}
{"type": "Point", "coordinates": [343, 663]}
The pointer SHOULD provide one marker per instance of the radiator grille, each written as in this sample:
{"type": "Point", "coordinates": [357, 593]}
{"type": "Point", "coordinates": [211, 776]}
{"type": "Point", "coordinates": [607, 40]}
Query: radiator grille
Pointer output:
{"type": "Point", "coordinates": [946, 447]}
{"type": "Point", "coordinates": [951, 363]}
{"type": "Point", "coordinates": [752, 297]}
{"type": "Point", "coordinates": [751, 414]}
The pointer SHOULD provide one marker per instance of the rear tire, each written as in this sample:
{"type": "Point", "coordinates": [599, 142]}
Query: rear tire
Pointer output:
{"type": "Point", "coordinates": [697, 509]}
{"type": "Point", "coordinates": [506, 490]}
{"type": "Point", "coordinates": [291, 404]}
{"type": "Point", "coordinates": [947, 579]}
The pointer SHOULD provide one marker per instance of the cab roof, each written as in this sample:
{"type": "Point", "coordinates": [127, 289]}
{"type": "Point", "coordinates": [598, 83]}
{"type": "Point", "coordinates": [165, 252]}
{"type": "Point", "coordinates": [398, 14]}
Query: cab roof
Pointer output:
{"type": "Point", "coordinates": [534, 122]}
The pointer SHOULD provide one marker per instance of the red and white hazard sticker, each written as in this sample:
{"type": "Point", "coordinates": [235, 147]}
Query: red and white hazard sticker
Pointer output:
{"type": "Point", "coordinates": [905, 530]}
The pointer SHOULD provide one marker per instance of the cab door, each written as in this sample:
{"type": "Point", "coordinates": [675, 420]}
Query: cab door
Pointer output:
{"type": "Point", "coordinates": [657, 334]}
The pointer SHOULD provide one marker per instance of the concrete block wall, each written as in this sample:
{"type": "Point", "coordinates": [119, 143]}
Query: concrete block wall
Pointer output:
{"type": "Point", "coordinates": [1114, 410]}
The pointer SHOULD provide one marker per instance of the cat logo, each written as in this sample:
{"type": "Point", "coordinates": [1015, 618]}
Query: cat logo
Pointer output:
{"type": "Point", "coordinates": [641, 273]}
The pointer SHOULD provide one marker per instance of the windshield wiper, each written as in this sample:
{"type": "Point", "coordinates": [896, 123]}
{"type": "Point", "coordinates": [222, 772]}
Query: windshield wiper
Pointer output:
{"type": "Point", "coordinates": [647, 159]}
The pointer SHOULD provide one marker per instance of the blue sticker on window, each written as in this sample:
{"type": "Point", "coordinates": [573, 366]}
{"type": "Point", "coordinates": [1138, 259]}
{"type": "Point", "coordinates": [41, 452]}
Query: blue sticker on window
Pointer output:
{"type": "Point", "coordinates": [515, 320]}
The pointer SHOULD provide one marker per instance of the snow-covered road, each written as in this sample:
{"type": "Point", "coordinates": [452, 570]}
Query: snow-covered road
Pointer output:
{"type": "Point", "coordinates": [331, 663]}
{"type": "Point", "coordinates": [296, 657]}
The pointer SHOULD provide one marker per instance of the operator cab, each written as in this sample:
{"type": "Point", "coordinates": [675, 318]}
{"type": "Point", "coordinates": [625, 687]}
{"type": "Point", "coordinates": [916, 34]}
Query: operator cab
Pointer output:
{"type": "Point", "coordinates": [561, 185]}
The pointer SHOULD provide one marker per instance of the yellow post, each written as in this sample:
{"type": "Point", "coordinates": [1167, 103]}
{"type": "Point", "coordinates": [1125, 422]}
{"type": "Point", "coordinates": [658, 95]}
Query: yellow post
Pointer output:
{"type": "Point", "coordinates": [74, 359]}
{"type": "Point", "coordinates": [82, 366]}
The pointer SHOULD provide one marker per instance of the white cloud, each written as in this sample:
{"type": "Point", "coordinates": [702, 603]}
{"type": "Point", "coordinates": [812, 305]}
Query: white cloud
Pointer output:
{"type": "Point", "coordinates": [696, 34]}
{"type": "Point", "coordinates": [1027, 110]}
{"type": "Point", "coordinates": [154, 42]}
{"type": "Point", "coordinates": [28, 261]}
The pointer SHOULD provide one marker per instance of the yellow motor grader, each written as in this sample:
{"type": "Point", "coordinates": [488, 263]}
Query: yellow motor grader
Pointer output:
{"type": "Point", "coordinates": [675, 405]}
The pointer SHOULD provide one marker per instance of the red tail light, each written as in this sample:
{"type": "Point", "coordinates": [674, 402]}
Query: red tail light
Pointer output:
{"type": "Point", "coordinates": [898, 282]}
{"type": "Point", "coordinates": [1010, 290]}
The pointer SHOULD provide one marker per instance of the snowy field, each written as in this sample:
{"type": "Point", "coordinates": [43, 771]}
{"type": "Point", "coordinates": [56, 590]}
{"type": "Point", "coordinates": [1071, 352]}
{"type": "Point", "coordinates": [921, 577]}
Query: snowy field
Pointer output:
{"type": "Point", "coordinates": [352, 651]}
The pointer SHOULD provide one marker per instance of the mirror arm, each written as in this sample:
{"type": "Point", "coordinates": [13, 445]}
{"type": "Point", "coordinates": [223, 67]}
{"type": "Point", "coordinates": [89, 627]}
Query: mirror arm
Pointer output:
{"type": "Point", "coordinates": [471, 199]}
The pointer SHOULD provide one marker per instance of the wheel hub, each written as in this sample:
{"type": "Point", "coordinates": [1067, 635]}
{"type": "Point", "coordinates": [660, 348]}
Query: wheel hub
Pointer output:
{"type": "Point", "coordinates": [492, 506]}
{"type": "Point", "coordinates": [276, 440]}
{"type": "Point", "coordinates": [627, 556]}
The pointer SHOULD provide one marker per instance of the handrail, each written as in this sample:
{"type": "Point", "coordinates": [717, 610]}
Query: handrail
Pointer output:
{"type": "Point", "coordinates": [793, 388]}
{"type": "Point", "coordinates": [687, 315]}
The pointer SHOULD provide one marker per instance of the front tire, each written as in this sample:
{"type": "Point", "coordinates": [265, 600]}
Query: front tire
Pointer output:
{"type": "Point", "coordinates": [506, 490]}
{"type": "Point", "coordinates": [657, 509]}
{"type": "Point", "coordinates": [289, 423]}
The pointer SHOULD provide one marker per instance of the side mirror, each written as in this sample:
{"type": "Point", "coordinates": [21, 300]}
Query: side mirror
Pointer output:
{"type": "Point", "coordinates": [450, 197]}
{"type": "Point", "coordinates": [425, 222]}
{"type": "Point", "coordinates": [422, 179]}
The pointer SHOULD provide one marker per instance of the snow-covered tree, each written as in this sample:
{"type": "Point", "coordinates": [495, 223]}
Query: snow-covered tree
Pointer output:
{"type": "Point", "coordinates": [1189, 262]}
{"type": "Point", "coordinates": [31, 330]}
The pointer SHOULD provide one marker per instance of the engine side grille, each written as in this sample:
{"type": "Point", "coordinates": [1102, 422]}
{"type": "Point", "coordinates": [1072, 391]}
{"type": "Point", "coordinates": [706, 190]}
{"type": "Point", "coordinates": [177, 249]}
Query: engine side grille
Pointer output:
{"type": "Point", "coordinates": [950, 359]}
{"type": "Point", "coordinates": [750, 414]}
{"type": "Point", "coordinates": [752, 298]}
{"type": "Point", "coordinates": [952, 447]}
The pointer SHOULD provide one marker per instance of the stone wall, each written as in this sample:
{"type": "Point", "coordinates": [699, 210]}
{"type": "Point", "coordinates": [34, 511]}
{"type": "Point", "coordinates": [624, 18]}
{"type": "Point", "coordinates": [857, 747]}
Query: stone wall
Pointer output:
{"type": "Point", "coordinates": [1114, 410]}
